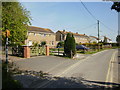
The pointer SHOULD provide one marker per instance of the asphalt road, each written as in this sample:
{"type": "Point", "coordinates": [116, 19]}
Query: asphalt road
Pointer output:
{"type": "Point", "coordinates": [98, 68]}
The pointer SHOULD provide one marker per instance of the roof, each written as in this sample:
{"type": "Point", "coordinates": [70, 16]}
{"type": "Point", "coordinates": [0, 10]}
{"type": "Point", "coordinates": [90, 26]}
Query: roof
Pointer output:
{"type": "Point", "coordinates": [75, 34]}
{"type": "Point", "coordinates": [94, 37]}
{"type": "Point", "coordinates": [38, 29]}
{"type": "Point", "coordinates": [107, 38]}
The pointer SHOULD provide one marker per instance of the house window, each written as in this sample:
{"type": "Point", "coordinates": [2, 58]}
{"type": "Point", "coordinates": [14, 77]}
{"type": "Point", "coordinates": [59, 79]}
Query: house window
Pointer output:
{"type": "Point", "coordinates": [28, 33]}
{"type": "Point", "coordinates": [34, 34]}
{"type": "Point", "coordinates": [52, 42]}
{"type": "Point", "coordinates": [30, 43]}
{"type": "Point", "coordinates": [40, 34]}
{"type": "Point", "coordinates": [44, 35]}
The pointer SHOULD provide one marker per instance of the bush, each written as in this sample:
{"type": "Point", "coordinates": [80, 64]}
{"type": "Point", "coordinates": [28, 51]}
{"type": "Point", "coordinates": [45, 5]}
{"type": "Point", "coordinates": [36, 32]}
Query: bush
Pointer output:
{"type": "Point", "coordinates": [60, 44]}
{"type": "Point", "coordinates": [35, 44]}
{"type": "Point", "coordinates": [43, 43]}
{"type": "Point", "coordinates": [70, 45]}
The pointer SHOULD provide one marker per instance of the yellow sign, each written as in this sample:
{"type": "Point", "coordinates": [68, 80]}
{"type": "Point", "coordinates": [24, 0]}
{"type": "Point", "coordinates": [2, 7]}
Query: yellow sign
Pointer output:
{"type": "Point", "coordinates": [7, 33]}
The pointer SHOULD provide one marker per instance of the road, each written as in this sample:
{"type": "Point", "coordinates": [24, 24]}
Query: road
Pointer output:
{"type": "Point", "coordinates": [99, 69]}
{"type": "Point", "coordinates": [96, 69]}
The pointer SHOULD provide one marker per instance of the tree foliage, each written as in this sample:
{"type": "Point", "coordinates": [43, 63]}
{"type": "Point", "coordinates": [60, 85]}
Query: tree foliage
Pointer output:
{"type": "Point", "coordinates": [116, 6]}
{"type": "Point", "coordinates": [15, 18]}
{"type": "Point", "coordinates": [69, 45]}
{"type": "Point", "coordinates": [118, 39]}
{"type": "Point", "coordinates": [43, 43]}
{"type": "Point", "coordinates": [60, 44]}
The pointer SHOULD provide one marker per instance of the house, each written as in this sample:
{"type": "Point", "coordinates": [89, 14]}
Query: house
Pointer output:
{"type": "Point", "coordinates": [93, 39]}
{"type": "Point", "coordinates": [79, 38]}
{"type": "Point", "coordinates": [106, 39]}
{"type": "Point", "coordinates": [38, 35]}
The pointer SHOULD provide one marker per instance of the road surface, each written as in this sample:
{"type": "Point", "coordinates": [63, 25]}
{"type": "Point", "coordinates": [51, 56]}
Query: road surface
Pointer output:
{"type": "Point", "coordinates": [99, 69]}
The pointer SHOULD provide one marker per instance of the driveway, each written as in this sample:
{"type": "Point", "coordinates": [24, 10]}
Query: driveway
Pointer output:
{"type": "Point", "coordinates": [48, 64]}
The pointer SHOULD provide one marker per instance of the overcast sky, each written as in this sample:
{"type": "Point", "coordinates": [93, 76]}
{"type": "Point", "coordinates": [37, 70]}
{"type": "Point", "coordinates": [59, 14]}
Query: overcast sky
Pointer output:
{"type": "Point", "coordinates": [72, 16]}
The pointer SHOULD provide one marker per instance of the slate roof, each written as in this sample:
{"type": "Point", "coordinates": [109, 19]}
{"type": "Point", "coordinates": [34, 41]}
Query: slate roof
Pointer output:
{"type": "Point", "coordinates": [75, 34]}
{"type": "Point", "coordinates": [94, 37]}
{"type": "Point", "coordinates": [39, 29]}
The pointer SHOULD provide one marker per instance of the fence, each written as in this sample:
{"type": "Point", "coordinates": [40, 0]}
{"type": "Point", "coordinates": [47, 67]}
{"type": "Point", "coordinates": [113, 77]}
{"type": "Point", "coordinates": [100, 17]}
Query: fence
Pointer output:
{"type": "Point", "coordinates": [14, 50]}
{"type": "Point", "coordinates": [36, 51]}
{"type": "Point", "coordinates": [18, 51]}
{"type": "Point", "coordinates": [56, 51]}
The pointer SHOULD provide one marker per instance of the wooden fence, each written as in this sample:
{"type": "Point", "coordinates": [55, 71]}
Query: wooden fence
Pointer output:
{"type": "Point", "coordinates": [37, 51]}
{"type": "Point", "coordinates": [56, 51]}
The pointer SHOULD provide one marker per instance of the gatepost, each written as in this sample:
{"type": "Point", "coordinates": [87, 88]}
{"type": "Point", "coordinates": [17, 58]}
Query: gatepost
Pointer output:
{"type": "Point", "coordinates": [26, 51]}
{"type": "Point", "coordinates": [47, 50]}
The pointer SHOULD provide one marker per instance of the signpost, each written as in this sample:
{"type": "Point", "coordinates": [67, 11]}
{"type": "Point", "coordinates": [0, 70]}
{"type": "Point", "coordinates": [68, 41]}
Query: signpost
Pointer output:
{"type": "Point", "coordinates": [7, 35]}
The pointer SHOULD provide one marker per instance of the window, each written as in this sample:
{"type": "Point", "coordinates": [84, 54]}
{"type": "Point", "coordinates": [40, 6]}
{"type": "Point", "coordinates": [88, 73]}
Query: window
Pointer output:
{"type": "Point", "coordinates": [28, 33]}
{"type": "Point", "coordinates": [40, 34]}
{"type": "Point", "coordinates": [44, 34]}
{"type": "Point", "coordinates": [34, 34]}
{"type": "Point", "coordinates": [30, 43]}
{"type": "Point", "coordinates": [52, 42]}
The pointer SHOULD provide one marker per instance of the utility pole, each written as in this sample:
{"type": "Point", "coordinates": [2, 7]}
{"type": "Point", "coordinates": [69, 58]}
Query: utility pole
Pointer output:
{"type": "Point", "coordinates": [98, 35]}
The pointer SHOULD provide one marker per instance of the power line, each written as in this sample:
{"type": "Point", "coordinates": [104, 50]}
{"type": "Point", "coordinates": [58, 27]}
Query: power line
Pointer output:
{"type": "Point", "coordinates": [106, 26]}
{"type": "Point", "coordinates": [88, 26]}
{"type": "Point", "coordinates": [95, 17]}
{"type": "Point", "coordinates": [88, 10]}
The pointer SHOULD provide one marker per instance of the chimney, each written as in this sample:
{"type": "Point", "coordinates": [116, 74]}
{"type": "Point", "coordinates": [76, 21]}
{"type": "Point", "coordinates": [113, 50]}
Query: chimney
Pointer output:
{"type": "Point", "coordinates": [64, 30]}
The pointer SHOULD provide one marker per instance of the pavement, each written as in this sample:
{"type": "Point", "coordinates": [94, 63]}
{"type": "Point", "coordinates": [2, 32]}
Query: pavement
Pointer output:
{"type": "Point", "coordinates": [95, 70]}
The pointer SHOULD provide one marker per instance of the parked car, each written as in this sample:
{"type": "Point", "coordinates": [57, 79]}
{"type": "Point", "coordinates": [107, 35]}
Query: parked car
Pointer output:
{"type": "Point", "coordinates": [81, 47]}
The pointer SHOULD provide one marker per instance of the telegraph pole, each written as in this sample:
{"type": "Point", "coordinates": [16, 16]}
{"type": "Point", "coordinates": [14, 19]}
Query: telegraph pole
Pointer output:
{"type": "Point", "coordinates": [98, 35]}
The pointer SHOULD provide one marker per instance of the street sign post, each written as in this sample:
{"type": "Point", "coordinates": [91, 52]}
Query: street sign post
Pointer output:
{"type": "Point", "coordinates": [7, 35]}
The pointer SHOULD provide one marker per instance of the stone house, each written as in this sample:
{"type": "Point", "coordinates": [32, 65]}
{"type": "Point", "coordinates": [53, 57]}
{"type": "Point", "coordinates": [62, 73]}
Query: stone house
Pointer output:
{"type": "Point", "coordinates": [106, 39]}
{"type": "Point", "coordinates": [93, 39]}
{"type": "Point", "coordinates": [79, 38]}
{"type": "Point", "coordinates": [38, 35]}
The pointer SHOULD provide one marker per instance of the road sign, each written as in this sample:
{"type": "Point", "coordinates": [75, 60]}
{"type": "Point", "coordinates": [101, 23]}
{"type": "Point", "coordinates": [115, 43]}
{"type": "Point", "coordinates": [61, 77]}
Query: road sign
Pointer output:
{"type": "Point", "coordinates": [7, 33]}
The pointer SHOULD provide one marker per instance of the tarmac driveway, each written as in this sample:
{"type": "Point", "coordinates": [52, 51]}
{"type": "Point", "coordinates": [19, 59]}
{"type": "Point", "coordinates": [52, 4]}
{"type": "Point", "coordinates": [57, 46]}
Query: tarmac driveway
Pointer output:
{"type": "Point", "coordinates": [47, 64]}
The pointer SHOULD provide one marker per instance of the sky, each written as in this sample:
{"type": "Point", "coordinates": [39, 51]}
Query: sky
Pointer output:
{"type": "Point", "coordinates": [72, 16]}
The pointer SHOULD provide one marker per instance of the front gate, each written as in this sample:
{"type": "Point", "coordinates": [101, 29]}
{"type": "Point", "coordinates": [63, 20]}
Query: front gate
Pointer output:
{"type": "Point", "coordinates": [37, 51]}
{"type": "Point", "coordinates": [18, 51]}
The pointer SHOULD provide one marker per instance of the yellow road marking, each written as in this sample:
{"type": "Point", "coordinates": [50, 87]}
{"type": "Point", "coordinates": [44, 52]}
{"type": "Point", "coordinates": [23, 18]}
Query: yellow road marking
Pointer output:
{"type": "Point", "coordinates": [109, 77]}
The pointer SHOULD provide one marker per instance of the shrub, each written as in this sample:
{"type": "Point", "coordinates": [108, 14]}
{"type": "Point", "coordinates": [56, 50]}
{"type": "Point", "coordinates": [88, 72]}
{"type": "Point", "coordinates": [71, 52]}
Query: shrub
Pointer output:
{"type": "Point", "coordinates": [35, 44]}
{"type": "Point", "coordinates": [70, 45]}
{"type": "Point", "coordinates": [43, 43]}
{"type": "Point", "coordinates": [60, 44]}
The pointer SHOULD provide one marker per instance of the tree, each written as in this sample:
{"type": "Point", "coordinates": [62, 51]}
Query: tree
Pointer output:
{"type": "Point", "coordinates": [43, 43]}
{"type": "Point", "coordinates": [69, 45]}
{"type": "Point", "coordinates": [15, 18]}
{"type": "Point", "coordinates": [116, 6]}
{"type": "Point", "coordinates": [118, 39]}
{"type": "Point", "coordinates": [60, 44]}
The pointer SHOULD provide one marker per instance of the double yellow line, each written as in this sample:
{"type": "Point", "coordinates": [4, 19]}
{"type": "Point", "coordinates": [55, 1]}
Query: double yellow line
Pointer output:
{"type": "Point", "coordinates": [109, 77]}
